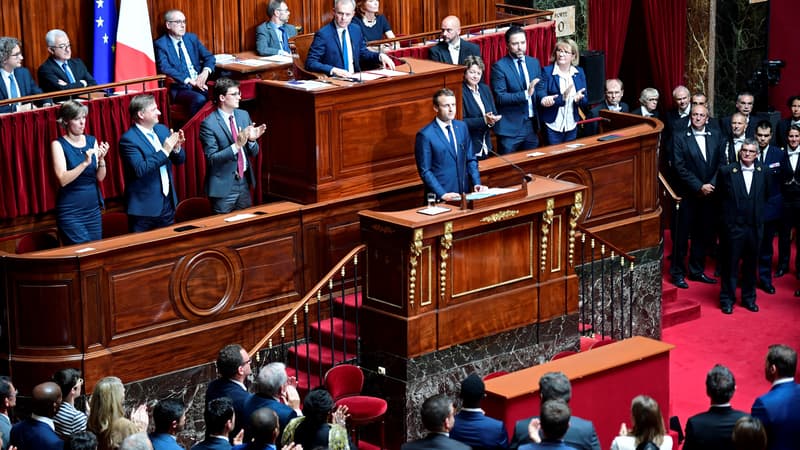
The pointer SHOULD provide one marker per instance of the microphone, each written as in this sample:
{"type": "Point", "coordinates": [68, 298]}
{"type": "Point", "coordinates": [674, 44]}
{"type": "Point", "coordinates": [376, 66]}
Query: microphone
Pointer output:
{"type": "Point", "coordinates": [406, 62]}
{"type": "Point", "coordinates": [526, 177]}
{"type": "Point", "coordinates": [593, 119]}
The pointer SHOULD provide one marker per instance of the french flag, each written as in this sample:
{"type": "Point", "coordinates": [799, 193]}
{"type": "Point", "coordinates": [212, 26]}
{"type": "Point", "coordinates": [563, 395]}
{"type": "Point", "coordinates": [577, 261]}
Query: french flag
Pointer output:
{"type": "Point", "coordinates": [135, 57]}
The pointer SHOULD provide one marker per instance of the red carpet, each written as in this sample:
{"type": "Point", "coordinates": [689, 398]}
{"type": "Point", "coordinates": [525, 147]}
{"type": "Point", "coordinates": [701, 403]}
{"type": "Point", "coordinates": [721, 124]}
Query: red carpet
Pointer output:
{"type": "Point", "coordinates": [738, 341]}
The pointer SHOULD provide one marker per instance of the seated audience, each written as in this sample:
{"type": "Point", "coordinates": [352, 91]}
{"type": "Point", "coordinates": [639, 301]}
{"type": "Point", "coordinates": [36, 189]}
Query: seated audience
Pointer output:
{"type": "Point", "coordinates": [782, 129]}
{"type": "Point", "coordinates": [648, 101]}
{"type": "Point", "coordinates": [17, 80]}
{"type": "Point", "coordinates": [547, 432]}
{"type": "Point", "coordinates": [69, 420]}
{"type": "Point", "coordinates": [233, 366]}
{"type": "Point", "coordinates": [779, 409]}
{"type": "Point", "coordinates": [451, 49]}
{"type": "Point", "coordinates": [219, 418]}
{"type": "Point", "coordinates": [80, 166]}
{"type": "Point", "coordinates": [479, 108]}
{"type": "Point", "coordinates": [614, 90]}
{"type": "Point", "coordinates": [749, 434]}
{"type": "Point", "coordinates": [564, 93]}
{"type": "Point", "coordinates": [272, 36]}
{"type": "Point", "coordinates": [182, 57]}
{"type": "Point", "coordinates": [8, 400]}
{"type": "Point", "coordinates": [438, 417]}
{"type": "Point", "coordinates": [648, 426]}
{"type": "Point", "coordinates": [273, 390]}
{"type": "Point", "coordinates": [107, 415]}
{"type": "Point", "coordinates": [322, 426]}
{"type": "Point", "coordinates": [472, 426]}
{"type": "Point", "coordinates": [82, 440]}
{"type": "Point", "coordinates": [61, 71]}
{"type": "Point", "coordinates": [137, 441]}
{"type": "Point", "coordinates": [263, 424]}
{"type": "Point", "coordinates": [712, 430]}
{"type": "Point", "coordinates": [374, 25]}
{"type": "Point", "coordinates": [580, 435]}
{"type": "Point", "coordinates": [37, 432]}
{"type": "Point", "coordinates": [329, 56]}
{"type": "Point", "coordinates": [169, 417]}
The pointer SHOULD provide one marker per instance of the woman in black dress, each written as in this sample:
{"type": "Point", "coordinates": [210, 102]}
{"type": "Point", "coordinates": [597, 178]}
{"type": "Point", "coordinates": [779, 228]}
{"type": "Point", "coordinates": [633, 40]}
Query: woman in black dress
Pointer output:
{"type": "Point", "coordinates": [79, 164]}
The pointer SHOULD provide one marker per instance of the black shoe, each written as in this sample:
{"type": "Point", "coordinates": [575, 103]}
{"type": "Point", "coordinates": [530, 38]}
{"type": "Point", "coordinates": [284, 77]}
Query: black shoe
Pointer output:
{"type": "Point", "coordinates": [681, 282]}
{"type": "Point", "coordinates": [751, 307]}
{"type": "Point", "coordinates": [780, 272]}
{"type": "Point", "coordinates": [727, 309]}
{"type": "Point", "coordinates": [767, 287]}
{"type": "Point", "coordinates": [703, 278]}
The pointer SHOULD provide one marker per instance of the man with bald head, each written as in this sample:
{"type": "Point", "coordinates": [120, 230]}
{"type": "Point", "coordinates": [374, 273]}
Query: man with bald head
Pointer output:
{"type": "Point", "coordinates": [38, 431]}
{"type": "Point", "coordinates": [451, 49]}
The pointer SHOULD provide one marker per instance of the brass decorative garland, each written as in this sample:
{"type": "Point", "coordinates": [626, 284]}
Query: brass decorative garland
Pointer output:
{"type": "Point", "coordinates": [574, 213]}
{"type": "Point", "coordinates": [416, 250]}
{"type": "Point", "coordinates": [446, 243]}
{"type": "Point", "coordinates": [547, 220]}
{"type": "Point", "coordinates": [500, 215]}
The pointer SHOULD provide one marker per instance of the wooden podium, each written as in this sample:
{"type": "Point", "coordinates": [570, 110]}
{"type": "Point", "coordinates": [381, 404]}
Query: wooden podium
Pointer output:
{"type": "Point", "coordinates": [437, 281]}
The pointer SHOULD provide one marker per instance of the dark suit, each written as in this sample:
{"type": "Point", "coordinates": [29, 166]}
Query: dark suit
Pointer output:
{"type": "Point", "coordinates": [781, 131]}
{"type": "Point", "coordinates": [221, 162]}
{"type": "Point", "coordinates": [164, 441]}
{"type": "Point", "coordinates": [26, 87]}
{"type": "Point", "coordinates": [212, 443]}
{"type": "Point", "coordinates": [594, 127]}
{"type": "Point", "coordinates": [441, 170]}
{"type": "Point", "coordinates": [638, 112]}
{"type": "Point", "coordinates": [223, 387]}
{"type": "Point", "coordinates": [325, 52]}
{"type": "Point", "coordinates": [267, 41]}
{"type": "Point", "coordinates": [479, 131]}
{"type": "Point", "coordinates": [434, 441]}
{"type": "Point", "coordinates": [697, 214]}
{"type": "Point", "coordinates": [790, 191]}
{"type": "Point", "coordinates": [581, 434]}
{"type": "Point", "coordinates": [141, 163]}
{"type": "Point", "coordinates": [254, 402]}
{"type": "Point", "coordinates": [31, 434]}
{"type": "Point", "coordinates": [546, 445]}
{"type": "Point", "coordinates": [712, 429]}
{"type": "Point", "coordinates": [168, 62]}
{"type": "Point", "coordinates": [516, 131]}
{"type": "Point", "coordinates": [441, 52]}
{"type": "Point", "coordinates": [772, 161]}
{"type": "Point", "coordinates": [50, 73]}
{"type": "Point", "coordinates": [778, 411]}
{"type": "Point", "coordinates": [749, 131]}
{"type": "Point", "coordinates": [479, 431]}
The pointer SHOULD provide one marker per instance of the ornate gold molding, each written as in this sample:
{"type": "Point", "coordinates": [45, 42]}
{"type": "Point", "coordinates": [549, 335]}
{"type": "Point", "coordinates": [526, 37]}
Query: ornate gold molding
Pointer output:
{"type": "Point", "coordinates": [547, 220]}
{"type": "Point", "coordinates": [416, 250]}
{"type": "Point", "coordinates": [500, 215]}
{"type": "Point", "coordinates": [444, 252]}
{"type": "Point", "coordinates": [574, 213]}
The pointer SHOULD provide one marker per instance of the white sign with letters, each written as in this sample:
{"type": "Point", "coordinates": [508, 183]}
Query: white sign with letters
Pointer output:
{"type": "Point", "coordinates": [565, 20]}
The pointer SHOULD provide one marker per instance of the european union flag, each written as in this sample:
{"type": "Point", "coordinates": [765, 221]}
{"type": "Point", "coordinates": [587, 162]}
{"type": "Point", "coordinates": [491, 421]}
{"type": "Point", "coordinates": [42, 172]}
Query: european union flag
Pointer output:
{"type": "Point", "coordinates": [105, 35]}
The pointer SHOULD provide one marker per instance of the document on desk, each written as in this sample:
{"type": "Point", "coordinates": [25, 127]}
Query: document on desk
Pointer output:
{"type": "Point", "coordinates": [309, 85]}
{"type": "Point", "coordinates": [280, 59]}
{"type": "Point", "coordinates": [367, 76]}
{"type": "Point", "coordinates": [386, 73]}
{"type": "Point", "coordinates": [253, 62]}
{"type": "Point", "coordinates": [224, 58]}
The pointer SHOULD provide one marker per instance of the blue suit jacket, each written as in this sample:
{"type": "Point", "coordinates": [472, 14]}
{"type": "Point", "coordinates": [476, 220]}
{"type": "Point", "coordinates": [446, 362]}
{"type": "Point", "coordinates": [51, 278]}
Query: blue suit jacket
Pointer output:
{"type": "Point", "coordinates": [581, 434]}
{"type": "Point", "coordinates": [212, 443]}
{"type": "Point", "coordinates": [141, 164]}
{"type": "Point", "coordinates": [34, 435]}
{"type": "Point", "coordinates": [215, 135]}
{"type": "Point", "coordinates": [284, 412]}
{"type": "Point", "coordinates": [164, 441]}
{"type": "Point", "coordinates": [439, 167]}
{"type": "Point", "coordinates": [222, 387]}
{"type": "Point", "coordinates": [552, 87]}
{"type": "Point", "coordinates": [50, 73]}
{"type": "Point", "coordinates": [479, 431]}
{"type": "Point", "coordinates": [325, 52]}
{"type": "Point", "coordinates": [546, 445]}
{"type": "Point", "coordinates": [473, 116]}
{"type": "Point", "coordinates": [168, 62]}
{"type": "Point", "coordinates": [267, 42]}
{"type": "Point", "coordinates": [773, 165]}
{"type": "Point", "coordinates": [434, 441]}
{"type": "Point", "coordinates": [509, 93]}
{"type": "Point", "coordinates": [778, 411]}
{"type": "Point", "coordinates": [26, 87]}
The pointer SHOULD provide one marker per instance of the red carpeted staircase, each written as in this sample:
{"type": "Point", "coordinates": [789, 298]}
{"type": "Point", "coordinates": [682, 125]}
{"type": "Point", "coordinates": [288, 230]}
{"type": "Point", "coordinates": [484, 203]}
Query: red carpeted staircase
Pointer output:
{"type": "Point", "coordinates": [677, 305]}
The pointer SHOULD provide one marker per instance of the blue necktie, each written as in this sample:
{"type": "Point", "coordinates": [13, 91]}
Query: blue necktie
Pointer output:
{"type": "Point", "coordinates": [67, 71]}
{"type": "Point", "coordinates": [14, 91]}
{"type": "Point", "coordinates": [284, 38]}
{"type": "Point", "coordinates": [522, 74]}
{"type": "Point", "coordinates": [345, 51]}
{"type": "Point", "coordinates": [162, 169]}
{"type": "Point", "coordinates": [452, 138]}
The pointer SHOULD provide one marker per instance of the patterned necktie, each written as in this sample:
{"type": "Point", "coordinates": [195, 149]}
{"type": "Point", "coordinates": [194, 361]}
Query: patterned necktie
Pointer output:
{"type": "Point", "coordinates": [67, 71]}
{"type": "Point", "coordinates": [163, 168]}
{"type": "Point", "coordinates": [345, 51]}
{"type": "Point", "coordinates": [239, 159]}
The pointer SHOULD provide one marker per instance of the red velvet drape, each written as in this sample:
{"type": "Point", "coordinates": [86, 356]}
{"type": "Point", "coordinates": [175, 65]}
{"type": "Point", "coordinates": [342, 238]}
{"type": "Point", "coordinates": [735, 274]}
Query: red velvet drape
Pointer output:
{"type": "Point", "coordinates": [608, 27]}
{"type": "Point", "coordinates": [665, 25]}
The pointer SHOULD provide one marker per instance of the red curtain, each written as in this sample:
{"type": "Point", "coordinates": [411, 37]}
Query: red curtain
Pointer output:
{"type": "Point", "coordinates": [608, 27]}
{"type": "Point", "coordinates": [665, 25]}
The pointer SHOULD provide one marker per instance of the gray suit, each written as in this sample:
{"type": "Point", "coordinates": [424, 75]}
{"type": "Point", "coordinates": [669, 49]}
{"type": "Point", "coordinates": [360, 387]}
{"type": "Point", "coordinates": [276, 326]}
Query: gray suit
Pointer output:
{"type": "Point", "coordinates": [267, 42]}
{"type": "Point", "coordinates": [221, 161]}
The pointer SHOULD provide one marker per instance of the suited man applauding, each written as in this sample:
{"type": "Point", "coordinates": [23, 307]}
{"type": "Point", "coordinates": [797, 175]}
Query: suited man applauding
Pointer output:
{"type": "Point", "coordinates": [182, 57]}
{"type": "Point", "coordinates": [272, 36]}
{"type": "Point", "coordinates": [61, 71]}
{"type": "Point", "coordinates": [38, 431]}
{"type": "Point", "coordinates": [472, 426]}
{"type": "Point", "coordinates": [169, 416]}
{"type": "Point", "coordinates": [443, 150]}
{"type": "Point", "coordinates": [229, 140]}
{"type": "Point", "coordinates": [148, 150]}
{"type": "Point", "coordinates": [438, 416]}
{"type": "Point", "coordinates": [778, 409]}
{"type": "Point", "coordinates": [451, 49]}
{"type": "Point", "coordinates": [219, 417]}
{"type": "Point", "coordinates": [16, 80]}
{"type": "Point", "coordinates": [339, 48]}
{"type": "Point", "coordinates": [712, 429]}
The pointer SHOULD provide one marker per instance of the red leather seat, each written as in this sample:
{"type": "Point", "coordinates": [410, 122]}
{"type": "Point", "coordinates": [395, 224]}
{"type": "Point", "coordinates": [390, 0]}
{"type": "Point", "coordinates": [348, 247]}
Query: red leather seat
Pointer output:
{"type": "Point", "coordinates": [344, 382]}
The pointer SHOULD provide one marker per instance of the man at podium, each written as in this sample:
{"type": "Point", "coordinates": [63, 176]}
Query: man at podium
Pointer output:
{"type": "Point", "coordinates": [443, 150]}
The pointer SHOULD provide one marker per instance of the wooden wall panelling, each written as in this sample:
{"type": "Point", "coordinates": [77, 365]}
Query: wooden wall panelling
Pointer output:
{"type": "Point", "coordinates": [10, 19]}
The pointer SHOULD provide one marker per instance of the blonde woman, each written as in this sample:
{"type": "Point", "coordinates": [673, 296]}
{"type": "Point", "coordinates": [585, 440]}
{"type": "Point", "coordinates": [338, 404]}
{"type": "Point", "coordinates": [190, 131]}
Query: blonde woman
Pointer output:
{"type": "Point", "coordinates": [107, 417]}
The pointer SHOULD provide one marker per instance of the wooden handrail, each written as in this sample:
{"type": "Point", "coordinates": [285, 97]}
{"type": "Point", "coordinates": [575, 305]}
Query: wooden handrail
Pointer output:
{"type": "Point", "coordinates": [84, 90]}
{"type": "Point", "coordinates": [675, 197]}
{"type": "Point", "coordinates": [312, 294]}
{"type": "Point", "coordinates": [602, 241]}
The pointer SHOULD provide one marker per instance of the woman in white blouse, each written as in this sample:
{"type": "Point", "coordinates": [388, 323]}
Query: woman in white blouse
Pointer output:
{"type": "Point", "coordinates": [648, 426]}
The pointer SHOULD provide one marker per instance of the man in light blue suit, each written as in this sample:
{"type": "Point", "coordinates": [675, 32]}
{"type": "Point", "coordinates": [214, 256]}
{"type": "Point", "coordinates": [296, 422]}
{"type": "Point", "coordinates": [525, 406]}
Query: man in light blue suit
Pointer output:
{"type": "Point", "coordinates": [170, 417]}
{"type": "Point", "coordinates": [182, 57]}
{"type": "Point", "coordinates": [272, 36]}
{"type": "Point", "coordinates": [15, 80]}
{"type": "Point", "coordinates": [515, 83]}
{"type": "Point", "coordinates": [472, 426]}
{"type": "Point", "coordinates": [229, 140]}
{"type": "Point", "coordinates": [443, 150]}
{"type": "Point", "coordinates": [148, 151]}
{"type": "Point", "coordinates": [779, 409]}
{"type": "Point", "coordinates": [327, 55]}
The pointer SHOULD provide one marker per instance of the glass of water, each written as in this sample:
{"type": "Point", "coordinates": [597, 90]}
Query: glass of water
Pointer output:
{"type": "Point", "coordinates": [431, 200]}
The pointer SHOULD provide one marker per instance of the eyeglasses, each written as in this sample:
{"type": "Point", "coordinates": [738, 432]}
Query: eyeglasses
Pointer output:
{"type": "Point", "coordinates": [234, 94]}
{"type": "Point", "coordinates": [16, 55]}
{"type": "Point", "coordinates": [282, 10]}
{"type": "Point", "coordinates": [179, 22]}
{"type": "Point", "coordinates": [62, 46]}
{"type": "Point", "coordinates": [564, 52]}
{"type": "Point", "coordinates": [247, 363]}
{"type": "Point", "coordinates": [652, 99]}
